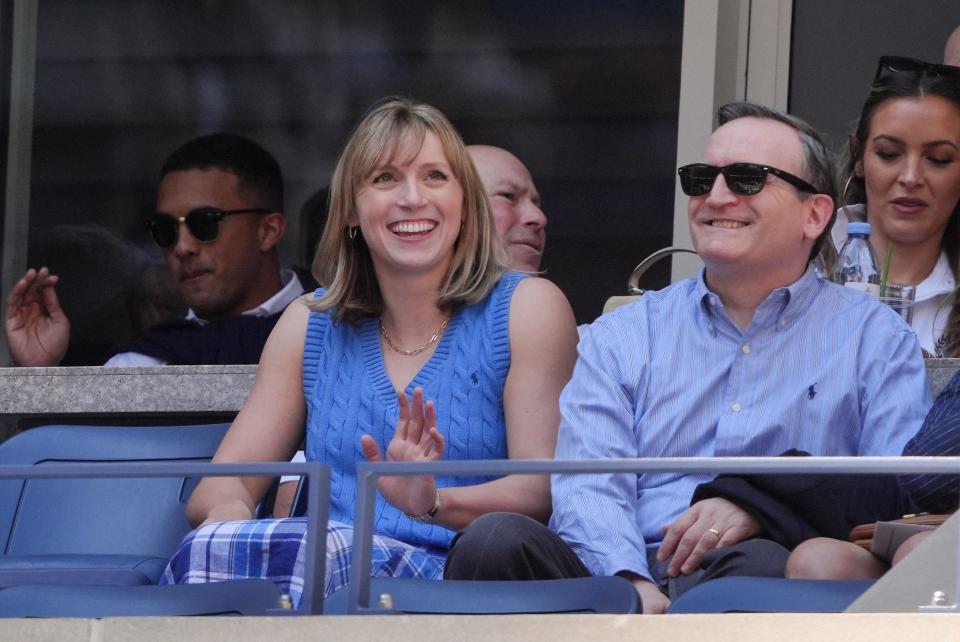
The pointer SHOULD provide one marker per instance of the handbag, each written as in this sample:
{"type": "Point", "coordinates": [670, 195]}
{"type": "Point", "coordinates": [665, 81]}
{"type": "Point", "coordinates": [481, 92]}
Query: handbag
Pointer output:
{"type": "Point", "coordinates": [634, 291]}
{"type": "Point", "coordinates": [884, 538]}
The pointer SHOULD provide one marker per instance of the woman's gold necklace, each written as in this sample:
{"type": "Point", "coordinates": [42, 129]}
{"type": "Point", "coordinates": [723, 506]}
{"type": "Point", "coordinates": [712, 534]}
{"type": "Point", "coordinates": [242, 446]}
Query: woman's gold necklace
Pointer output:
{"type": "Point", "coordinates": [415, 351]}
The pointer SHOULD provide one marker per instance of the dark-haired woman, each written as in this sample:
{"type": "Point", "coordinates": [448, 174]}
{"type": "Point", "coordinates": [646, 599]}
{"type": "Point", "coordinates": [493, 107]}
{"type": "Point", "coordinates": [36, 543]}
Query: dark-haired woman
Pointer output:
{"type": "Point", "coordinates": [902, 175]}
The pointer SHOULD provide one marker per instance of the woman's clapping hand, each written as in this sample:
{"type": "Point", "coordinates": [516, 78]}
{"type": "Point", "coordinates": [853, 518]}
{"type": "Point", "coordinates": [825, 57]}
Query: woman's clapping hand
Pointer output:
{"type": "Point", "coordinates": [416, 438]}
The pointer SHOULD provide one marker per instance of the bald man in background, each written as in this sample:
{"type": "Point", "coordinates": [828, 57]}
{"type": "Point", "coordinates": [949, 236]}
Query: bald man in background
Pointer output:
{"type": "Point", "coordinates": [515, 203]}
{"type": "Point", "coordinates": [951, 53]}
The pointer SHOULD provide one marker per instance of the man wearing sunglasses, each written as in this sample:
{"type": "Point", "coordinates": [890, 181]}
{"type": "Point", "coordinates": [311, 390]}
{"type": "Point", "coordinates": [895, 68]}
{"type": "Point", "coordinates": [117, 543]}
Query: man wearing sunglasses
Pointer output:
{"type": "Point", "coordinates": [218, 223]}
{"type": "Point", "coordinates": [751, 358]}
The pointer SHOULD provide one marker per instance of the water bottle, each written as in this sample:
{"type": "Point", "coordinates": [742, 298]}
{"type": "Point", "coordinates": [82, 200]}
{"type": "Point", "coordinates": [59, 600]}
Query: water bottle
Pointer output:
{"type": "Point", "coordinates": [857, 264]}
{"type": "Point", "coordinates": [820, 266]}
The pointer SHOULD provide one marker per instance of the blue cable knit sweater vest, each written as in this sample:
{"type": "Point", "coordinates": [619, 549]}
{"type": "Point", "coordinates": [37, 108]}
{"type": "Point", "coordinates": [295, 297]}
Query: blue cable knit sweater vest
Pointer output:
{"type": "Point", "coordinates": [349, 394]}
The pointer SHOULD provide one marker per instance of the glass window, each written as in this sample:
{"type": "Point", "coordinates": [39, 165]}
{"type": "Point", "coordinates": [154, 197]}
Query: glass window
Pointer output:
{"type": "Point", "coordinates": [857, 33]}
{"type": "Point", "coordinates": [585, 93]}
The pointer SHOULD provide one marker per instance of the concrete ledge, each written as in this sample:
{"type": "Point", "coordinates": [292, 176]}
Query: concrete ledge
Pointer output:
{"type": "Point", "coordinates": [113, 392]}
{"type": "Point", "coordinates": [789, 627]}
{"type": "Point", "coordinates": [61, 630]}
{"type": "Point", "coordinates": [172, 390]}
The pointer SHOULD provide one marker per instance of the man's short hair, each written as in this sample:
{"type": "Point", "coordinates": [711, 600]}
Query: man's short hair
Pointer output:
{"type": "Point", "coordinates": [258, 174]}
{"type": "Point", "coordinates": [817, 165]}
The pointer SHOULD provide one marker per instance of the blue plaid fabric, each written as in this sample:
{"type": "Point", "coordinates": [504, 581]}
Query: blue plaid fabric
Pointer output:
{"type": "Point", "coordinates": [274, 549]}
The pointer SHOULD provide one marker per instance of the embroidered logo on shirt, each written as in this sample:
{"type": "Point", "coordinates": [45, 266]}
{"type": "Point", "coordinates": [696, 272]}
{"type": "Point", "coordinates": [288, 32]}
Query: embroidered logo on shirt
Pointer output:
{"type": "Point", "coordinates": [940, 345]}
{"type": "Point", "coordinates": [474, 378]}
{"type": "Point", "coordinates": [812, 391]}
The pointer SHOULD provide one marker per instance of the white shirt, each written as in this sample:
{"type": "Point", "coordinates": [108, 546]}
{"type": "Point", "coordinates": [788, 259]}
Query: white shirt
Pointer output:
{"type": "Point", "coordinates": [292, 288]}
{"type": "Point", "coordinates": [934, 295]}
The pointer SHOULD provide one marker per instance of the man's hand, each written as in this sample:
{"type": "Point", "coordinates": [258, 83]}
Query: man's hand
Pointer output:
{"type": "Point", "coordinates": [708, 524]}
{"type": "Point", "coordinates": [651, 599]}
{"type": "Point", "coordinates": [38, 332]}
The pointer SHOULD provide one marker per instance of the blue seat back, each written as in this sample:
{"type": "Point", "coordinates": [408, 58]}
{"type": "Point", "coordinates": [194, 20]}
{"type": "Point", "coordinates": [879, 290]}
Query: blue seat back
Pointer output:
{"type": "Point", "coordinates": [769, 595]}
{"type": "Point", "coordinates": [100, 516]}
{"type": "Point", "coordinates": [476, 597]}
{"type": "Point", "coordinates": [103, 585]}
{"type": "Point", "coordinates": [239, 597]}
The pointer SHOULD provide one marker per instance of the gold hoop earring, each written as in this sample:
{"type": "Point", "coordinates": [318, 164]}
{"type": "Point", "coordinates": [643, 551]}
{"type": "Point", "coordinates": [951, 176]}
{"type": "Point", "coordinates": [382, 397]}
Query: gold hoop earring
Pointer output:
{"type": "Point", "coordinates": [352, 233]}
{"type": "Point", "coordinates": [846, 188]}
{"type": "Point", "coordinates": [843, 198]}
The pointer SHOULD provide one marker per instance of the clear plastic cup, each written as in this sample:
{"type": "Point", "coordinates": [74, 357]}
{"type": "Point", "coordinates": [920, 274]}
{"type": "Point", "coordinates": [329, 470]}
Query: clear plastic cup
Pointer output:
{"type": "Point", "coordinates": [900, 297]}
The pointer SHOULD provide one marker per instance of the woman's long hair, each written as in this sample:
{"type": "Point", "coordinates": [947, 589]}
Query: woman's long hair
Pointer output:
{"type": "Point", "coordinates": [888, 86]}
{"type": "Point", "coordinates": [343, 264]}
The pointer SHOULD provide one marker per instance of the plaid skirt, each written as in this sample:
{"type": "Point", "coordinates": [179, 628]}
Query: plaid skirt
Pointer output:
{"type": "Point", "coordinates": [274, 549]}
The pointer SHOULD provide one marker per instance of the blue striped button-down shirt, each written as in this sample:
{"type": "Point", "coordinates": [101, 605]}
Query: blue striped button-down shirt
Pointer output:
{"type": "Point", "coordinates": [822, 368]}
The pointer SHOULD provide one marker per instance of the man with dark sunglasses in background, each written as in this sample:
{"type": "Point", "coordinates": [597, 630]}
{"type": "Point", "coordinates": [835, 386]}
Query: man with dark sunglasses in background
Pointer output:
{"type": "Point", "coordinates": [218, 222]}
{"type": "Point", "coordinates": [751, 358]}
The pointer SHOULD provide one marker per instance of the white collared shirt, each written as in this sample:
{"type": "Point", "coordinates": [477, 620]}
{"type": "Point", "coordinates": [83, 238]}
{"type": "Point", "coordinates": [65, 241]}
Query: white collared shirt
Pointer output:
{"type": "Point", "coordinates": [934, 295]}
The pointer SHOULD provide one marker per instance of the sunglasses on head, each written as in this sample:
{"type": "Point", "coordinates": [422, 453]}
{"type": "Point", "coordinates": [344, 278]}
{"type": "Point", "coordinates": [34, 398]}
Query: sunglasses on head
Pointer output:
{"type": "Point", "coordinates": [745, 179]}
{"type": "Point", "coordinates": [896, 64]}
{"type": "Point", "coordinates": [203, 223]}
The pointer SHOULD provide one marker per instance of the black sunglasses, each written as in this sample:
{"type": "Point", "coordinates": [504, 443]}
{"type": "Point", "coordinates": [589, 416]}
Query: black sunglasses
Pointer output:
{"type": "Point", "coordinates": [745, 179]}
{"type": "Point", "coordinates": [895, 64]}
{"type": "Point", "coordinates": [203, 223]}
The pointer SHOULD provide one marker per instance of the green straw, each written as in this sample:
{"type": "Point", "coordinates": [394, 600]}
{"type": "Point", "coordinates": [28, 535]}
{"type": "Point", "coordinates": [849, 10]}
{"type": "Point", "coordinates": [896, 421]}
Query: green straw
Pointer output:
{"type": "Point", "coordinates": [885, 275]}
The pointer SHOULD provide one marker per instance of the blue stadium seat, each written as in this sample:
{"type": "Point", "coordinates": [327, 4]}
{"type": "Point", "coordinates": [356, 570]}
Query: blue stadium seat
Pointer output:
{"type": "Point", "coordinates": [769, 595]}
{"type": "Point", "coordinates": [238, 597]}
{"type": "Point", "coordinates": [96, 531]}
{"type": "Point", "coordinates": [468, 597]}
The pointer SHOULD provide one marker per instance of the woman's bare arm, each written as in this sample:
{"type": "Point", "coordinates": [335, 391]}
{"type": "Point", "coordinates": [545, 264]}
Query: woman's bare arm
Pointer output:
{"type": "Point", "coordinates": [269, 426]}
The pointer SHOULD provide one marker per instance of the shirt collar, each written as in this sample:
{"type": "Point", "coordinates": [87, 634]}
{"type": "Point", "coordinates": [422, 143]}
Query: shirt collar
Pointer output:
{"type": "Point", "coordinates": [292, 288]}
{"type": "Point", "coordinates": [781, 306]}
{"type": "Point", "coordinates": [939, 281]}
{"type": "Point", "coordinates": [857, 212]}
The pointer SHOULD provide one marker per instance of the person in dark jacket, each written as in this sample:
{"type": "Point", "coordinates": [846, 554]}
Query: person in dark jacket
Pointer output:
{"type": "Point", "coordinates": [813, 514]}
{"type": "Point", "coordinates": [218, 222]}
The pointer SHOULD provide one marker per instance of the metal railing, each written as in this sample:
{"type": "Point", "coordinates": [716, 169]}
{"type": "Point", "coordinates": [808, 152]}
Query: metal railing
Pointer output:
{"type": "Point", "coordinates": [318, 484]}
{"type": "Point", "coordinates": [369, 472]}
{"type": "Point", "coordinates": [318, 481]}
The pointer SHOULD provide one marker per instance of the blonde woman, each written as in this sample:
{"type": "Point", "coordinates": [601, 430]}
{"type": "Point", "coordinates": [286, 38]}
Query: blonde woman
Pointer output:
{"type": "Point", "coordinates": [421, 346]}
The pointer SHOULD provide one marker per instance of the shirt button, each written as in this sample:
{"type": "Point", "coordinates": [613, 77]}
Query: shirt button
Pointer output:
{"type": "Point", "coordinates": [783, 322]}
{"type": "Point", "coordinates": [713, 301]}
{"type": "Point", "coordinates": [712, 328]}
{"type": "Point", "coordinates": [736, 407]}
{"type": "Point", "coordinates": [745, 349]}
